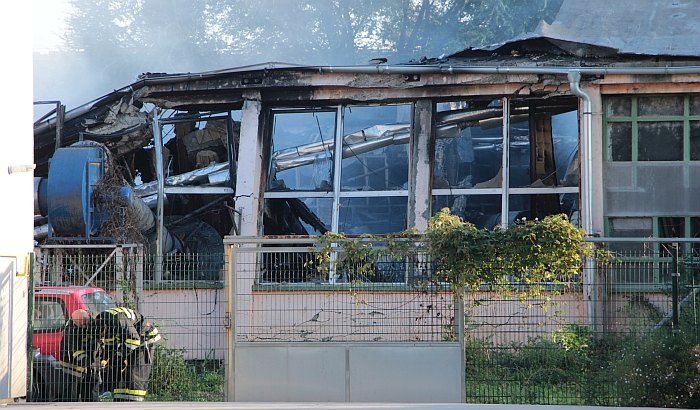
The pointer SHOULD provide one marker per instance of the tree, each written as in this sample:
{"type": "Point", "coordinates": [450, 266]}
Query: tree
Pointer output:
{"type": "Point", "coordinates": [182, 35]}
{"type": "Point", "coordinates": [108, 43]}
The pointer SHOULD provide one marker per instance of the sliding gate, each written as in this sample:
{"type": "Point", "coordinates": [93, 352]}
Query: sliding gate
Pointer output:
{"type": "Point", "coordinates": [296, 335]}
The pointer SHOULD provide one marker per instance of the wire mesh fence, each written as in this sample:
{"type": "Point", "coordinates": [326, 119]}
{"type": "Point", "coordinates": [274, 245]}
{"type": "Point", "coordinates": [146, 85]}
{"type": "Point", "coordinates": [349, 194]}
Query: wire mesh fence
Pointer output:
{"type": "Point", "coordinates": [611, 336]}
{"type": "Point", "coordinates": [182, 296]}
{"type": "Point", "coordinates": [283, 295]}
{"type": "Point", "coordinates": [625, 345]}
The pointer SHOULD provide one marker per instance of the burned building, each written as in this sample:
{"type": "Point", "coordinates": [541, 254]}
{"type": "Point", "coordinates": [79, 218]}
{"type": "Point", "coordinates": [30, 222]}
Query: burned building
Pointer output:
{"type": "Point", "coordinates": [580, 117]}
{"type": "Point", "coordinates": [596, 116]}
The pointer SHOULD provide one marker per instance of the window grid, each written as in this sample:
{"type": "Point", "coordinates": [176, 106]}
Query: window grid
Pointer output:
{"type": "Point", "coordinates": [635, 119]}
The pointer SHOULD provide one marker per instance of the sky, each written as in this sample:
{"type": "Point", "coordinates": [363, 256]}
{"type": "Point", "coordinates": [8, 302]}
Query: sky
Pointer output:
{"type": "Point", "coordinates": [49, 22]}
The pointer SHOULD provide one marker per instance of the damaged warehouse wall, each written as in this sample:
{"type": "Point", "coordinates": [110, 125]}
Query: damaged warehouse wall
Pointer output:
{"type": "Point", "coordinates": [352, 149]}
{"type": "Point", "coordinates": [364, 166]}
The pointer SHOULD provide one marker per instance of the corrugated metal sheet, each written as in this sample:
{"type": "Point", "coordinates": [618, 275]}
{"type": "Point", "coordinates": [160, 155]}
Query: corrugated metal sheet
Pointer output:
{"type": "Point", "coordinates": [641, 27]}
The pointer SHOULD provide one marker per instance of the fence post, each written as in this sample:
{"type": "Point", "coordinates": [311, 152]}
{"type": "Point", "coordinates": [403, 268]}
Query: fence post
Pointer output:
{"type": "Point", "coordinates": [230, 320]}
{"type": "Point", "coordinates": [674, 283]}
{"type": "Point", "coordinates": [120, 277]}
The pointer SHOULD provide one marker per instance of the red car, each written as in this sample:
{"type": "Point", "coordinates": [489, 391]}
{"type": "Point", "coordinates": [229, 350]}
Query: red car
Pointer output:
{"type": "Point", "coordinates": [53, 306]}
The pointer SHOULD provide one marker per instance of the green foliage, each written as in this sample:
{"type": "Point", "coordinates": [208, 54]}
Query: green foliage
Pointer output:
{"type": "Point", "coordinates": [358, 257]}
{"type": "Point", "coordinates": [175, 379]}
{"type": "Point", "coordinates": [662, 370]}
{"type": "Point", "coordinates": [572, 366]}
{"type": "Point", "coordinates": [541, 371]}
{"type": "Point", "coordinates": [528, 252]}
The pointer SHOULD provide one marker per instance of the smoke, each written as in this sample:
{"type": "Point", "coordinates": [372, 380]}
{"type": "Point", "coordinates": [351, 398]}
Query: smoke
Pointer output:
{"type": "Point", "coordinates": [109, 43]}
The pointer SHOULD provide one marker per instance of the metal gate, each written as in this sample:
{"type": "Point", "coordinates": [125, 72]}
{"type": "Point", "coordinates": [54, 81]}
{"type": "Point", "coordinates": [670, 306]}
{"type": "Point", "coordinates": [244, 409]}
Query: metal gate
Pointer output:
{"type": "Point", "coordinates": [297, 336]}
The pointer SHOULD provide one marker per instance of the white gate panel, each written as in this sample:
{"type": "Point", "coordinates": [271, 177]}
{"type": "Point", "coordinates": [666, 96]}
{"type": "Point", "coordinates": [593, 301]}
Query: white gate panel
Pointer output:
{"type": "Point", "coordinates": [406, 373]}
{"type": "Point", "coordinates": [289, 373]}
{"type": "Point", "coordinates": [329, 372]}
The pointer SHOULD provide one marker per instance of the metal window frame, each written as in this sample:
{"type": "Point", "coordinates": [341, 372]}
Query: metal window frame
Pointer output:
{"type": "Point", "coordinates": [338, 194]}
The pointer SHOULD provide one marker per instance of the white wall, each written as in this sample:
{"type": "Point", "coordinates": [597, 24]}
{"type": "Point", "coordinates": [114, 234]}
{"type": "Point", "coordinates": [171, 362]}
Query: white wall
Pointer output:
{"type": "Point", "coordinates": [16, 193]}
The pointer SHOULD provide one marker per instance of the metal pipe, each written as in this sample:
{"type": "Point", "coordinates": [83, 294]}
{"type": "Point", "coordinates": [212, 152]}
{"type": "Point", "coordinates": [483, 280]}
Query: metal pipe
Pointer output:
{"type": "Point", "coordinates": [158, 144]}
{"type": "Point", "coordinates": [459, 69]}
{"type": "Point", "coordinates": [674, 288]}
{"type": "Point", "coordinates": [586, 153]}
{"type": "Point", "coordinates": [505, 167]}
{"type": "Point", "coordinates": [337, 166]}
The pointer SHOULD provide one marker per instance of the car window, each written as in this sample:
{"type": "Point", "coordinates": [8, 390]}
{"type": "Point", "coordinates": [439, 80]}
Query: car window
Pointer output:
{"type": "Point", "coordinates": [49, 314]}
{"type": "Point", "coordinates": [98, 301]}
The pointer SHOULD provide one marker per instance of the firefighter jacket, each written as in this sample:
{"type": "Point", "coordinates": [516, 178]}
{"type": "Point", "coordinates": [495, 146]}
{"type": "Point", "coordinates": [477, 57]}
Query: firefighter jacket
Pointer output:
{"type": "Point", "coordinates": [120, 333]}
{"type": "Point", "coordinates": [80, 349]}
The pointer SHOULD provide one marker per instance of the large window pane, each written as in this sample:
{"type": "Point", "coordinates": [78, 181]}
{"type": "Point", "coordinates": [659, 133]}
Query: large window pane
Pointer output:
{"type": "Point", "coordinates": [373, 215]}
{"type": "Point", "coordinates": [652, 188]}
{"type": "Point", "coordinates": [519, 155]}
{"type": "Point", "coordinates": [660, 141]}
{"type": "Point", "coordinates": [302, 151]}
{"type": "Point", "coordinates": [484, 211]}
{"type": "Point", "coordinates": [375, 148]}
{"type": "Point", "coordinates": [565, 135]}
{"type": "Point", "coordinates": [297, 216]}
{"type": "Point", "coordinates": [470, 155]}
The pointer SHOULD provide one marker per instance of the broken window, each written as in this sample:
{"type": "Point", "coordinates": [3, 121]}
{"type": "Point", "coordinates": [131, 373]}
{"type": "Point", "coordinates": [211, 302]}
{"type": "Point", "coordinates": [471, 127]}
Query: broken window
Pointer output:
{"type": "Point", "coordinates": [375, 148]}
{"type": "Point", "coordinates": [307, 193]}
{"type": "Point", "coordinates": [542, 155]}
{"type": "Point", "coordinates": [474, 157]}
{"type": "Point", "coordinates": [372, 215]}
{"type": "Point", "coordinates": [484, 211]}
{"type": "Point", "coordinates": [301, 151]}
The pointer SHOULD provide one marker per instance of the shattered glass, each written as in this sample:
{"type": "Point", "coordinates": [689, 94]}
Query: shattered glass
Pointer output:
{"type": "Point", "coordinates": [475, 155]}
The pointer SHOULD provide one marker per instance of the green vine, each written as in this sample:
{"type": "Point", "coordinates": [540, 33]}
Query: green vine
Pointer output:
{"type": "Point", "coordinates": [529, 252]}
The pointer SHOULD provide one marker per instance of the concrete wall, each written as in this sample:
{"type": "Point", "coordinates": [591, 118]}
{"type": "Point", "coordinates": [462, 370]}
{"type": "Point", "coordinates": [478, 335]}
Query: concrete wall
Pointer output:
{"type": "Point", "coordinates": [191, 320]}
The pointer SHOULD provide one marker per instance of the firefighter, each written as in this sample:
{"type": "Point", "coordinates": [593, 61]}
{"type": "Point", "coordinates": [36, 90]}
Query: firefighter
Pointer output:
{"type": "Point", "coordinates": [127, 341]}
{"type": "Point", "coordinates": [80, 359]}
